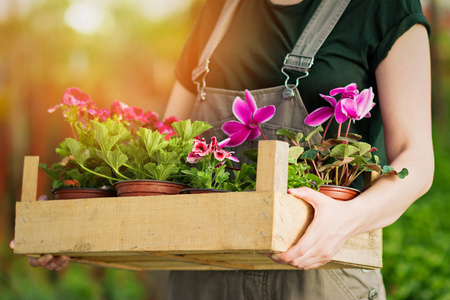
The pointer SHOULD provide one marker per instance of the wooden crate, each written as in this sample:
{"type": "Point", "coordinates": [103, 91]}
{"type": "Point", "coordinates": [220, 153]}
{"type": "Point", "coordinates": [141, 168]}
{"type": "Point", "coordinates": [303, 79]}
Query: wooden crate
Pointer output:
{"type": "Point", "coordinates": [216, 231]}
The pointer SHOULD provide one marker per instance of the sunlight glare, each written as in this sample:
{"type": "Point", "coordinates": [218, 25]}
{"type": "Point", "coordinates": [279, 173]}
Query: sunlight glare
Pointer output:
{"type": "Point", "coordinates": [84, 17]}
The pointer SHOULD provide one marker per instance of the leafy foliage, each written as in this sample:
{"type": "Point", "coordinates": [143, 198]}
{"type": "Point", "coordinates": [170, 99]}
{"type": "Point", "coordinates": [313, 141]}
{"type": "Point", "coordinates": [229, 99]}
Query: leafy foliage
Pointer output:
{"type": "Point", "coordinates": [337, 161]}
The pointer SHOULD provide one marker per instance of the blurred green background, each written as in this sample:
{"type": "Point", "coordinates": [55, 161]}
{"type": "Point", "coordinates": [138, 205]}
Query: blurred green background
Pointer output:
{"type": "Point", "coordinates": [126, 50]}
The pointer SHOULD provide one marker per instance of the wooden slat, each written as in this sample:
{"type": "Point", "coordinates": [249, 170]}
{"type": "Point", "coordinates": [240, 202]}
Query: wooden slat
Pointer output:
{"type": "Point", "coordinates": [30, 177]}
{"type": "Point", "coordinates": [157, 223]}
{"type": "Point", "coordinates": [181, 232]}
{"type": "Point", "coordinates": [272, 166]}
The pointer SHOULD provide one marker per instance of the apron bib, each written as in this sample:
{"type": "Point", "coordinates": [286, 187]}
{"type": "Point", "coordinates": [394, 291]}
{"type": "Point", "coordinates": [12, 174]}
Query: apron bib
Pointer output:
{"type": "Point", "coordinates": [214, 106]}
{"type": "Point", "coordinates": [216, 109]}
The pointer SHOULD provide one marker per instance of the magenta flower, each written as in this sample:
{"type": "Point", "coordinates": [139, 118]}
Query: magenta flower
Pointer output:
{"type": "Point", "coordinates": [249, 116]}
{"type": "Point", "coordinates": [358, 108]}
{"type": "Point", "coordinates": [349, 91]}
{"type": "Point", "coordinates": [321, 114]}
{"type": "Point", "coordinates": [73, 97]}
{"type": "Point", "coordinates": [200, 150]}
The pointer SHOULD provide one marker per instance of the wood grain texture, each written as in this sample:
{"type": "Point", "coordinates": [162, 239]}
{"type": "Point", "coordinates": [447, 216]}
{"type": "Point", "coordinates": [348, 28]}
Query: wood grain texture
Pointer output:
{"type": "Point", "coordinates": [30, 177]}
{"type": "Point", "coordinates": [214, 231]}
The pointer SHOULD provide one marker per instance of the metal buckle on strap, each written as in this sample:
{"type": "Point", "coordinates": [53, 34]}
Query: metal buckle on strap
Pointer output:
{"type": "Point", "coordinates": [297, 63]}
{"type": "Point", "coordinates": [301, 63]}
{"type": "Point", "coordinates": [202, 85]}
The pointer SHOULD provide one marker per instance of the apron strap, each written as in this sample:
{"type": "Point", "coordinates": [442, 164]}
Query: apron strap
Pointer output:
{"type": "Point", "coordinates": [300, 59]}
{"type": "Point", "coordinates": [216, 36]}
{"type": "Point", "coordinates": [317, 30]}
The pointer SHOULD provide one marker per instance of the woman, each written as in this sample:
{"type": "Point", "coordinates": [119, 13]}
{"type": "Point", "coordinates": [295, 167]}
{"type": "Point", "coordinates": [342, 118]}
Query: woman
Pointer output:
{"type": "Point", "coordinates": [383, 44]}
{"type": "Point", "coordinates": [378, 43]}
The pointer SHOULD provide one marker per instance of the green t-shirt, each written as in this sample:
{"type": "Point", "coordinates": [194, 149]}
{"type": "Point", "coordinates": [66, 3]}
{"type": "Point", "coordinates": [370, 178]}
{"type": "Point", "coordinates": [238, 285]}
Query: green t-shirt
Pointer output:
{"type": "Point", "coordinates": [252, 52]}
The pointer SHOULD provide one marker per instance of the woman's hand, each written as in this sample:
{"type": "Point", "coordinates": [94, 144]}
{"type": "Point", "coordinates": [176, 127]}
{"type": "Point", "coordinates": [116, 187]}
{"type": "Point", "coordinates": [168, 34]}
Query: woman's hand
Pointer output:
{"type": "Point", "coordinates": [47, 261]}
{"type": "Point", "coordinates": [333, 224]}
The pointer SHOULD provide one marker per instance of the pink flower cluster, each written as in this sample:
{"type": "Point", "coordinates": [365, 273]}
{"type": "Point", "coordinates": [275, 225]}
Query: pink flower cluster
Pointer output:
{"type": "Point", "coordinates": [353, 105]}
{"type": "Point", "coordinates": [78, 108]}
{"type": "Point", "coordinates": [201, 149]}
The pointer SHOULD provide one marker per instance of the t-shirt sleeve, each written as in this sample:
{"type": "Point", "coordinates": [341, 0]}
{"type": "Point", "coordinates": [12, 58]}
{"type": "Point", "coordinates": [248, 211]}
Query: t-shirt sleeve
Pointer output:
{"type": "Point", "coordinates": [196, 42]}
{"type": "Point", "coordinates": [389, 20]}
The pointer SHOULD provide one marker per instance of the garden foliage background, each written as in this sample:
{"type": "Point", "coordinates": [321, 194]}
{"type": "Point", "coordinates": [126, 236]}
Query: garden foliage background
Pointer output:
{"type": "Point", "coordinates": [127, 50]}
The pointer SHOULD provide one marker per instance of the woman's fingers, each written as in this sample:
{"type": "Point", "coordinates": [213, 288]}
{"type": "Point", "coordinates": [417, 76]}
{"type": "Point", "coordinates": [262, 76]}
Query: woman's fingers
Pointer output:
{"type": "Point", "coordinates": [324, 237]}
{"type": "Point", "coordinates": [50, 262]}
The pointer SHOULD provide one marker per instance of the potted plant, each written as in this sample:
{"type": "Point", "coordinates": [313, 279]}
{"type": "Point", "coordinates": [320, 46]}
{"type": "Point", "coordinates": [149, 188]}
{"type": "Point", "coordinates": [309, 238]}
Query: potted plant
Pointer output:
{"type": "Point", "coordinates": [94, 174]}
{"type": "Point", "coordinates": [153, 162]}
{"type": "Point", "coordinates": [212, 170]}
{"type": "Point", "coordinates": [336, 161]}
{"type": "Point", "coordinates": [148, 162]}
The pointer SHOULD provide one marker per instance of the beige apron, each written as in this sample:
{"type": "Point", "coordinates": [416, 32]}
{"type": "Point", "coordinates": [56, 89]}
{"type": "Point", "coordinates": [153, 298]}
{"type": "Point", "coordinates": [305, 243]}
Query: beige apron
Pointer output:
{"type": "Point", "coordinates": [215, 106]}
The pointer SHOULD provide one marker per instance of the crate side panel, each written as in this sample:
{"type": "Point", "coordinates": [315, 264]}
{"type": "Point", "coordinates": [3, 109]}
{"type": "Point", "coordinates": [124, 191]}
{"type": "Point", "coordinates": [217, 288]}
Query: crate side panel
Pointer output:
{"type": "Point", "coordinates": [181, 222]}
{"type": "Point", "coordinates": [291, 218]}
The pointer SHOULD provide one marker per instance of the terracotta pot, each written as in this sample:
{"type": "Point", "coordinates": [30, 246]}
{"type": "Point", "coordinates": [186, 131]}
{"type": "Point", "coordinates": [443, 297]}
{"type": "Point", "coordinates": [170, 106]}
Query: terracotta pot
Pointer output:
{"type": "Point", "coordinates": [81, 193]}
{"type": "Point", "coordinates": [200, 191]}
{"type": "Point", "coordinates": [147, 188]}
{"type": "Point", "coordinates": [342, 193]}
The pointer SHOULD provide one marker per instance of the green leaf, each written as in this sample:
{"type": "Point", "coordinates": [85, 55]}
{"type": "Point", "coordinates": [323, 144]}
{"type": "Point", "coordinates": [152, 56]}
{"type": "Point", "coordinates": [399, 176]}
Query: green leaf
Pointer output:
{"type": "Point", "coordinates": [152, 140]}
{"type": "Point", "coordinates": [110, 134]}
{"type": "Point", "coordinates": [317, 130]}
{"type": "Point", "coordinates": [387, 169]}
{"type": "Point", "coordinates": [79, 152]}
{"type": "Point", "coordinates": [363, 147]}
{"type": "Point", "coordinates": [251, 154]}
{"type": "Point", "coordinates": [359, 160]}
{"type": "Point", "coordinates": [187, 130]}
{"type": "Point", "coordinates": [290, 134]}
{"type": "Point", "coordinates": [54, 172]}
{"type": "Point", "coordinates": [345, 161]}
{"type": "Point", "coordinates": [343, 150]}
{"type": "Point", "coordinates": [309, 154]}
{"type": "Point", "coordinates": [161, 172]}
{"type": "Point", "coordinates": [294, 154]}
{"type": "Point", "coordinates": [403, 173]}
{"type": "Point", "coordinates": [115, 159]}
{"type": "Point", "coordinates": [167, 157]}
{"type": "Point", "coordinates": [136, 153]}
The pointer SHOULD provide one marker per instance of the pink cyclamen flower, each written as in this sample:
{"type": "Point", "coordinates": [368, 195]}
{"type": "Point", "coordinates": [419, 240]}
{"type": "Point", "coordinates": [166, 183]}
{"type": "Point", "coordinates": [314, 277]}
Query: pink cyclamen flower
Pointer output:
{"type": "Point", "coordinates": [249, 116]}
{"type": "Point", "coordinates": [349, 91]}
{"type": "Point", "coordinates": [320, 115]}
{"type": "Point", "coordinates": [359, 107]}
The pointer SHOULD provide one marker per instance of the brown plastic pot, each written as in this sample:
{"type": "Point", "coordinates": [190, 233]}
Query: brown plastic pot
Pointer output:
{"type": "Point", "coordinates": [342, 193]}
{"type": "Point", "coordinates": [81, 193]}
{"type": "Point", "coordinates": [147, 188]}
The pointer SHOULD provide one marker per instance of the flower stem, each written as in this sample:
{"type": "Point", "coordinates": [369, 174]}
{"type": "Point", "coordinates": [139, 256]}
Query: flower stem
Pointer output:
{"type": "Point", "coordinates": [262, 133]}
{"type": "Point", "coordinates": [98, 174]}
{"type": "Point", "coordinates": [134, 169]}
{"type": "Point", "coordinates": [339, 131]}
{"type": "Point", "coordinates": [336, 176]}
{"type": "Point", "coordinates": [317, 171]}
{"type": "Point", "coordinates": [348, 127]}
{"type": "Point", "coordinates": [73, 131]}
{"type": "Point", "coordinates": [326, 129]}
